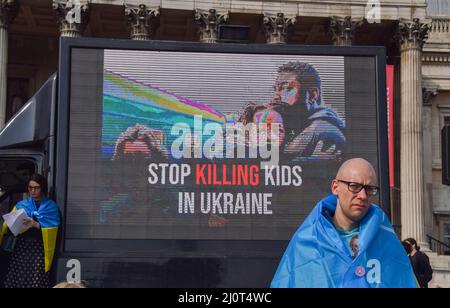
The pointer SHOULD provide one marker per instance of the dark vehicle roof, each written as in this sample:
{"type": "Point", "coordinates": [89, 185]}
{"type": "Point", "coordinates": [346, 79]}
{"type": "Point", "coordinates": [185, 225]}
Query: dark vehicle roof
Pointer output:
{"type": "Point", "coordinates": [31, 124]}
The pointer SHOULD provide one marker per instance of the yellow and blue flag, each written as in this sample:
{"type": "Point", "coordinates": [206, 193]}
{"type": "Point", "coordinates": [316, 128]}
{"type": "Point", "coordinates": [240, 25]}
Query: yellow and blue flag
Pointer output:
{"type": "Point", "coordinates": [49, 220]}
{"type": "Point", "coordinates": [316, 256]}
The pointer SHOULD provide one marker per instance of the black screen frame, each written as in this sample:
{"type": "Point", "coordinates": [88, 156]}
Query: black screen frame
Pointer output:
{"type": "Point", "coordinates": [269, 248]}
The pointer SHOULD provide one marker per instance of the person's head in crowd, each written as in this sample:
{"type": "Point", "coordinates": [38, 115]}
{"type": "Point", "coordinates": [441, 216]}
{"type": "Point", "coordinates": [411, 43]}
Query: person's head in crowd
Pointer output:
{"type": "Point", "coordinates": [355, 185]}
{"type": "Point", "coordinates": [407, 247]}
{"type": "Point", "coordinates": [412, 242]}
{"type": "Point", "coordinates": [37, 187]}
{"type": "Point", "coordinates": [69, 285]}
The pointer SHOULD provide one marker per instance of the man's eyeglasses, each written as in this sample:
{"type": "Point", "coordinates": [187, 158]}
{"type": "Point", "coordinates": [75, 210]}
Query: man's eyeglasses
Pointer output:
{"type": "Point", "coordinates": [35, 188]}
{"type": "Point", "coordinates": [357, 187]}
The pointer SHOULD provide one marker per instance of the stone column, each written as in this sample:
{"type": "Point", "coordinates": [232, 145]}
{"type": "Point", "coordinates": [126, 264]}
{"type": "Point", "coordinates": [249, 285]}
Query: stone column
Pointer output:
{"type": "Point", "coordinates": [8, 10]}
{"type": "Point", "coordinates": [276, 27]}
{"type": "Point", "coordinates": [142, 21]}
{"type": "Point", "coordinates": [428, 94]}
{"type": "Point", "coordinates": [343, 29]}
{"type": "Point", "coordinates": [208, 23]}
{"type": "Point", "coordinates": [72, 16]}
{"type": "Point", "coordinates": [412, 35]}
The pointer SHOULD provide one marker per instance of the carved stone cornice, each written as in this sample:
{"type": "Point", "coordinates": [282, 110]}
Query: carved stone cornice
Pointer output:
{"type": "Point", "coordinates": [72, 16]}
{"type": "Point", "coordinates": [142, 21]}
{"type": "Point", "coordinates": [208, 24]}
{"type": "Point", "coordinates": [412, 34]}
{"type": "Point", "coordinates": [277, 27]}
{"type": "Point", "coordinates": [428, 94]}
{"type": "Point", "coordinates": [437, 58]}
{"type": "Point", "coordinates": [8, 11]}
{"type": "Point", "coordinates": [343, 29]}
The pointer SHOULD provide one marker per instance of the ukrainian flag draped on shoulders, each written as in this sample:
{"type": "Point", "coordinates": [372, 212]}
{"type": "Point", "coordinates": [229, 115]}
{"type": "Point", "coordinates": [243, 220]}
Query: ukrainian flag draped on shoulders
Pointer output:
{"type": "Point", "coordinates": [317, 258]}
{"type": "Point", "coordinates": [49, 220]}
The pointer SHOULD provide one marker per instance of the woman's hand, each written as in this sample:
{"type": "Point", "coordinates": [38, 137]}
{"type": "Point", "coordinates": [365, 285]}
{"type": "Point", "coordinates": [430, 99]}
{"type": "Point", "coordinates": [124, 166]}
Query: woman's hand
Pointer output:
{"type": "Point", "coordinates": [31, 223]}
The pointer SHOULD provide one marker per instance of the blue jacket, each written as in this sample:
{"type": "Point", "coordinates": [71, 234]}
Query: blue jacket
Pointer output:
{"type": "Point", "coordinates": [316, 256]}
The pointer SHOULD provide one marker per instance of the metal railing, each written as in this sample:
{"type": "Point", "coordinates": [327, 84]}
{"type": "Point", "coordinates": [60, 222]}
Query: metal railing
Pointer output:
{"type": "Point", "coordinates": [437, 246]}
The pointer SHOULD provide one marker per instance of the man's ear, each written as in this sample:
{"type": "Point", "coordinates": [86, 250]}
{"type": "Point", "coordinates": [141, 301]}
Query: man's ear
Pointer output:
{"type": "Point", "coordinates": [314, 93]}
{"type": "Point", "coordinates": [334, 187]}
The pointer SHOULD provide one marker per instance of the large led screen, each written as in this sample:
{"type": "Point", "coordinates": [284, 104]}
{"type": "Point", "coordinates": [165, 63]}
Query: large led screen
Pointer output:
{"type": "Point", "coordinates": [198, 145]}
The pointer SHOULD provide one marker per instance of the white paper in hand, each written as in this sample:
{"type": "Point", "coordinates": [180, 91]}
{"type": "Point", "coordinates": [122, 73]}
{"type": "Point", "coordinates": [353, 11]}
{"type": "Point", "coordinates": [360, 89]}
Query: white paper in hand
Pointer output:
{"type": "Point", "coordinates": [15, 220]}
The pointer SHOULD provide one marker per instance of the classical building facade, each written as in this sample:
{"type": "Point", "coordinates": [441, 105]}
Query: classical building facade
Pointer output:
{"type": "Point", "coordinates": [436, 114]}
{"type": "Point", "coordinates": [415, 33]}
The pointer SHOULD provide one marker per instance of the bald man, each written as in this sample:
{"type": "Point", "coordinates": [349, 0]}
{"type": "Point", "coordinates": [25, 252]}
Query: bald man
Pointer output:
{"type": "Point", "coordinates": [320, 253]}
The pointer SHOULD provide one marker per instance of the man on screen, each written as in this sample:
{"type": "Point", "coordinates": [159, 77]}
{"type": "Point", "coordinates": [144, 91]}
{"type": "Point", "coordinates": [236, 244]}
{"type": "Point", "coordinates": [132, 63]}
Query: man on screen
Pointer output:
{"type": "Point", "coordinates": [307, 128]}
{"type": "Point", "coordinates": [320, 253]}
